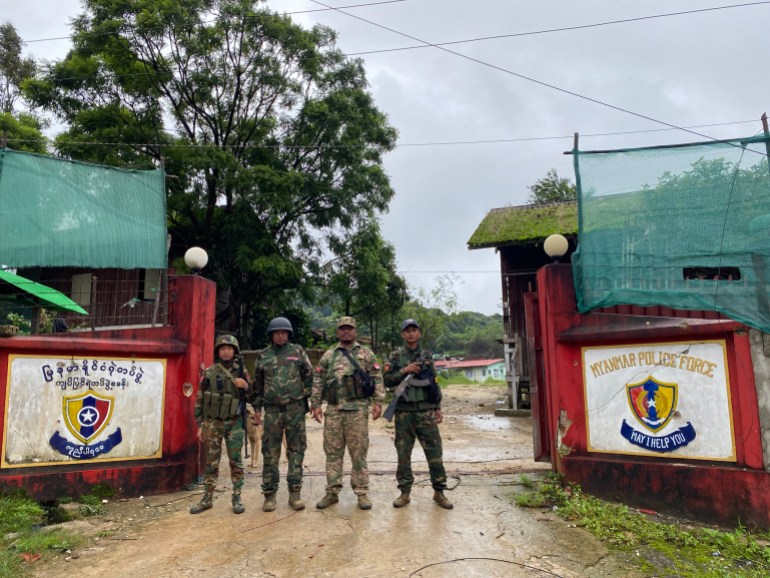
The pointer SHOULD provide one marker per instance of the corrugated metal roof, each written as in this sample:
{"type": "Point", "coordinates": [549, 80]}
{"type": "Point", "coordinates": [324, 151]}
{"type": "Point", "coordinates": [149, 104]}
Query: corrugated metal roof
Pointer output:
{"type": "Point", "coordinates": [454, 364]}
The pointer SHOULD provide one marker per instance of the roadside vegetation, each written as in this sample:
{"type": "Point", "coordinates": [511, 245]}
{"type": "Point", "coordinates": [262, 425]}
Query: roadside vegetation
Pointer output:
{"type": "Point", "coordinates": [30, 531]}
{"type": "Point", "coordinates": [655, 548]}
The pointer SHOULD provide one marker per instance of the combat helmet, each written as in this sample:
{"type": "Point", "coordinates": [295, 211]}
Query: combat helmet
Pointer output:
{"type": "Point", "coordinates": [280, 324]}
{"type": "Point", "coordinates": [226, 340]}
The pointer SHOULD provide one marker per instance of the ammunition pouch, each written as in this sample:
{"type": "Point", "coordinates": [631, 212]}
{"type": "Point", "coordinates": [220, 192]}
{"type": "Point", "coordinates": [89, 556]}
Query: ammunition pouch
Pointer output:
{"type": "Point", "coordinates": [330, 394]}
{"type": "Point", "coordinates": [432, 391]}
{"type": "Point", "coordinates": [220, 405]}
{"type": "Point", "coordinates": [364, 384]}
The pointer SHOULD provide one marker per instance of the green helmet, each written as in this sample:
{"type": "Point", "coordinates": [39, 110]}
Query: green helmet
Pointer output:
{"type": "Point", "coordinates": [226, 340]}
{"type": "Point", "coordinates": [280, 324]}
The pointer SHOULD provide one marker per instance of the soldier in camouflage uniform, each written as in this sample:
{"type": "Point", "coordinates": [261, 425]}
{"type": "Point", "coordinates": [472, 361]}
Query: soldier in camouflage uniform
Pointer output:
{"type": "Point", "coordinates": [346, 422]}
{"type": "Point", "coordinates": [283, 378]}
{"type": "Point", "coordinates": [417, 418]}
{"type": "Point", "coordinates": [219, 406]}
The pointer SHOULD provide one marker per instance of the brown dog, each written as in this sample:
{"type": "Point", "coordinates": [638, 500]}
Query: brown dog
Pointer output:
{"type": "Point", "coordinates": [254, 435]}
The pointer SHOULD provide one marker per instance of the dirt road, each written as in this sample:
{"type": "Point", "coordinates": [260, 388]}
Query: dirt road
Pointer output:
{"type": "Point", "coordinates": [486, 535]}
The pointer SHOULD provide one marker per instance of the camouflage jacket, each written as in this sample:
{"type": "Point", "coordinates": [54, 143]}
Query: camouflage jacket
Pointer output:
{"type": "Point", "coordinates": [335, 372]}
{"type": "Point", "coordinates": [281, 375]}
{"type": "Point", "coordinates": [218, 378]}
{"type": "Point", "coordinates": [398, 360]}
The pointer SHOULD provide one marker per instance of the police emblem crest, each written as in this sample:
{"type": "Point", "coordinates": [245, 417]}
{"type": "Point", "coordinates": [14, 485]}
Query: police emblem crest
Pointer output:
{"type": "Point", "coordinates": [653, 402]}
{"type": "Point", "coordinates": [86, 415]}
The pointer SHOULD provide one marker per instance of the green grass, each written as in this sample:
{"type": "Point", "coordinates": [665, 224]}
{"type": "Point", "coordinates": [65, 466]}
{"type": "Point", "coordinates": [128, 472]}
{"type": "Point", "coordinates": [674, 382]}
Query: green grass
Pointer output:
{"type": "Point", "coordinates": [655, 548]}
{"type": "Point", "coordinates": [21, 522]}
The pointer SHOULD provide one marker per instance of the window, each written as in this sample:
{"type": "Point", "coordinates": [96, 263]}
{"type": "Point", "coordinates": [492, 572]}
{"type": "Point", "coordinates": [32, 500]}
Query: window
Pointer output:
{"type": "Point", "coordinates": [81, 289]}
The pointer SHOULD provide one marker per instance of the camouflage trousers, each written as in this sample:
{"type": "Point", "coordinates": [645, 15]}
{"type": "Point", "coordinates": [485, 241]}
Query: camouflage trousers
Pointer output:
{"type": "Point", "coordinates": [292, 423]}
{"type": "Point", "coordinates": [421, 425]}
{"type": "Point", "coordinates": [346, 428]}
{"type": "Point", "coordinates": [212, 433]}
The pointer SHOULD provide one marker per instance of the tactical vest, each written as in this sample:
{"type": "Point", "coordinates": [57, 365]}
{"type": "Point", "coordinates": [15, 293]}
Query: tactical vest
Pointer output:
{"type": "Point", "coordinates": [422, 397]}
{"type": "Point", "coordinates": [221, 399]}
{"type": "Point", "coordinates": [343, 387]}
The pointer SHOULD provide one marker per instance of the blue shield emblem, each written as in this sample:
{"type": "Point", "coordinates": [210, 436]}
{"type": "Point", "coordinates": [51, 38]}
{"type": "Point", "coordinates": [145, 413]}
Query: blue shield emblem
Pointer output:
{"type": "Point", "coordinates": [86, 415]}
{"type": "Point", "coordinates": [653, 402]}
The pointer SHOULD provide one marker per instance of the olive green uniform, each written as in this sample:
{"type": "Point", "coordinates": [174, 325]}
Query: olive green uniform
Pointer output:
{"type": "Point", "coordinates": [415, 418]}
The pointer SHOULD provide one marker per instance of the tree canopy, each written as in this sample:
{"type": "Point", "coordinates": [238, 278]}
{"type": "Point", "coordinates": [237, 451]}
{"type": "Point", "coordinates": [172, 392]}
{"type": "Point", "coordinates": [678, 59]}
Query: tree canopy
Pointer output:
{"type": "Point", "coordinates": [552, 189]}
{"type": "Point", "coordinates": [269, 132]}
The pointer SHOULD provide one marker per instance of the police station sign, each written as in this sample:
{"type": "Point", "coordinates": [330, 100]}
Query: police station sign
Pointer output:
{"type": "Point", "coordinates": [64, 409]}
{"type": "Point", "coordinates": [669, 400]}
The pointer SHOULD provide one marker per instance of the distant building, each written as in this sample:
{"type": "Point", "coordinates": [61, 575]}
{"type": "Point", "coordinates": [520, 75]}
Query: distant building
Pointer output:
{"type": "Point", "coordinates": [476, 369]}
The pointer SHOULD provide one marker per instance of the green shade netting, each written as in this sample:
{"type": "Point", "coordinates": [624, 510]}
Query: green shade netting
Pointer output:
{"type": "Point", "coordinates": [685, 227]}
{"type": "Point", "coordinates": [58, 213]}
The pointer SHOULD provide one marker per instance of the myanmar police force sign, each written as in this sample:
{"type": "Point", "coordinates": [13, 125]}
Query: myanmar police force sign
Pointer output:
{"type": "Point", "coordinates": [668, 400]}
{"type": "Point", "coordinates": [65, 409]}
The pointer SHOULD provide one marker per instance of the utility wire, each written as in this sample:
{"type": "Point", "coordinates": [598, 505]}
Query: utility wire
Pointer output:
{"type": "Point", "coordinates": [428, 45]}
{"type": "Point", "coordinates": [211, 21]}
{"type": "Point", "coordinates": [399, 145]}
{"type": "Point", "coordinates": [529, 78]}
{"type": "Point", "coordinates": [562, 29]}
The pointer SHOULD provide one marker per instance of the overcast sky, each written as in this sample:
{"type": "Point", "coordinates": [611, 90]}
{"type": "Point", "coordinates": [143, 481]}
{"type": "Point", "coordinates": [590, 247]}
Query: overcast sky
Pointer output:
{"type": "Point", "coordinates": [692, 69]}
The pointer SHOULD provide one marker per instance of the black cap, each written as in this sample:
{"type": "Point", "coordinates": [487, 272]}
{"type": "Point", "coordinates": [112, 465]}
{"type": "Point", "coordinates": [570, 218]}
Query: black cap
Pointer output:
{"type": "Point", "coordinates": [409, 322]}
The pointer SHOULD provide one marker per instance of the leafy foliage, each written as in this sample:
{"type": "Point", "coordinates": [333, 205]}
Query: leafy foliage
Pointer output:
{"type": "Point", "coordinates": [552, 189]}
{"type": "Point", "coordinates": [13, 68]}
{"type": "Point", "coordinates": [273, 140]}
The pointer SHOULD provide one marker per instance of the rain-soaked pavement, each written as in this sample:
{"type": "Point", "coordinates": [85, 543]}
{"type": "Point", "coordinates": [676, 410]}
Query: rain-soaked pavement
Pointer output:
{"type": "Point", "coordinates": [485, 535]}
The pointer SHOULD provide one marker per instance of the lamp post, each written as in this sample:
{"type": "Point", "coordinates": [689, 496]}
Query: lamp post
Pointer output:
{"type": "Point", "coordinates": [196, 258]}
{"type": "Point", "coordinates": [556, 246]}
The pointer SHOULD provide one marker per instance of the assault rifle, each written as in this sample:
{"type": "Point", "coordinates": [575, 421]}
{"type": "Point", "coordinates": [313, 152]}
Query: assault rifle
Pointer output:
{"type": "Point", "coordinates": [400, 392]}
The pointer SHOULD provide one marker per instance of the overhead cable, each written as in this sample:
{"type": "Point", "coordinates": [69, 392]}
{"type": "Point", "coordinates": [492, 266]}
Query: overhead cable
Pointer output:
{"type": "Point", "coordinates": [527, 78]}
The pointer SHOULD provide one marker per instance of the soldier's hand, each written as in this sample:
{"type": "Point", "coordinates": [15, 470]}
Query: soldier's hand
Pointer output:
{"type": "Point", "coordinates": [200, 434]}
{"type": "Point", "coordinates": [439, 416]}
{"type": "Point", "coordinates": [240, 383]}
{"type": "Point", "coordinates": [376, 411]}
{"type": "Point", "coordinates": [317, 412]}
{"type": "Point", "coordinates": [411, 368]}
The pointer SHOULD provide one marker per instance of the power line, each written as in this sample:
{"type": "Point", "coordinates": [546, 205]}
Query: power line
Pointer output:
{"type": "Point", "coordinates": [561, 29]}
{"type": "Point", "coordinates": [399, 145]}
{"type": "Point", "coordinates": [211, 21]}
{"type": "Point", "coordinates": [528, 78]}
{"type": "Point", "coordinates": [426, 44]}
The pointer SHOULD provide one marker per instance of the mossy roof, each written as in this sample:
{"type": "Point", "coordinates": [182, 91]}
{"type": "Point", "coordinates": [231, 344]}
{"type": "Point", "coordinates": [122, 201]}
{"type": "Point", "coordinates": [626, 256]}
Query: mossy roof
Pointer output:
{"type": "Point", "coordinates": [525, 224]}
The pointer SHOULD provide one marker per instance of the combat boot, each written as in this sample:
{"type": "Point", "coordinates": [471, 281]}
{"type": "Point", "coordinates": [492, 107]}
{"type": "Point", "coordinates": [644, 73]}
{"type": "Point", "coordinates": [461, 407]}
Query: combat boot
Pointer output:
{"type": "Point", "coordinates": [402, 500]}
{"type": "Point", "coordinates": [237, 504]}
{"type": "Point", "coordinates": [269, 504]}
{"type": "Point", "coordinates": [364, 503]}
{"type": "Point", "coordinates": [441, 500]}
{"type": "Point", "coordinates": [295, 501]}
{"type": "Point", "coordinates": [329, 499]}
{"type": "Point", "coordinates": [204, 504]}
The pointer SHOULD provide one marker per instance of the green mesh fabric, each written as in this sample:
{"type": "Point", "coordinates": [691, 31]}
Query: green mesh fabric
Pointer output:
{"type": "Point", "coordinates": [55, 212]}
{"type": "Point", "coordinates": [685, 227]}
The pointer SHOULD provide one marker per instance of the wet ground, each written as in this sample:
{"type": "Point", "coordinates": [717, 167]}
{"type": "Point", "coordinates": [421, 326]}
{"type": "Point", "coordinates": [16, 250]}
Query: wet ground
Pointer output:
{"type": "Point", "coordinates": [485, 535]}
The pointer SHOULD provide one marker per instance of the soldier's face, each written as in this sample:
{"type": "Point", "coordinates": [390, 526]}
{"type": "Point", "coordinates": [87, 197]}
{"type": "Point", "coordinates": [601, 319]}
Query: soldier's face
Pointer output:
{"type": "Point", "coordinates": [346, 334]}
{"type": "Point", "coordinates": [280, 337]}
{"type": "Point", "coordinates": [411, 335]}
{"type": "Point", "coordinates": [226, 352]}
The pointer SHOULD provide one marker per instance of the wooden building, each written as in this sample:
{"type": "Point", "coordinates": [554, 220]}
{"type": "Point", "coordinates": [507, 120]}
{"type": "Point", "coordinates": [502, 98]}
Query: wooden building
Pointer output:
{"type": "Point", "coordinates": [517, 234]}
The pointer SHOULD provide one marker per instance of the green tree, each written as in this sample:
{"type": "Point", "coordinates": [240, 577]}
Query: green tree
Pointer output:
{"type": "Point", "coordinates": [552, 189]}
{"type": "Point", "coordinates": [18, 130]}
{"type": "Point", "coordinates": [432, 307]}
{"type": "Point", "coordinates": [269, 131]}
{"type": "Point", "coordinates": [364, 281]}
{"type": "Point", "coordinates": [13, 68]}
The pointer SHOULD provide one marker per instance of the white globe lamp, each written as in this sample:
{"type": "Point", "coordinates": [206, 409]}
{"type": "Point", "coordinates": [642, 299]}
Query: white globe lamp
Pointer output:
{"type": "Point", "coordinates": [556, 246]}
{"type": "Point", "coordinates": [196, 258]}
